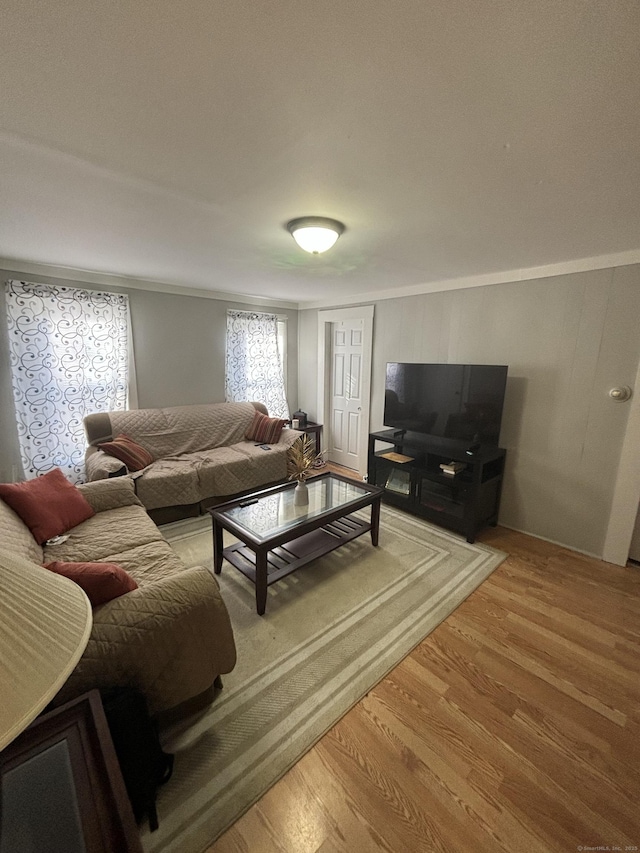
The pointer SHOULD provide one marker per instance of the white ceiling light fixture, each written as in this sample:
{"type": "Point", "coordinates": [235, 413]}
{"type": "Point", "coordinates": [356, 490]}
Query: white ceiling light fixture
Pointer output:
{"type": "Point", "coordinates": [315, 234]}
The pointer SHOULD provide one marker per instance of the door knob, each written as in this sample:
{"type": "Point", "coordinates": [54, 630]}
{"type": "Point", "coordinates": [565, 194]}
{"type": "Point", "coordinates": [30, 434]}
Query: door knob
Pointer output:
{"type": "Point", "coordinates": [621, 394]}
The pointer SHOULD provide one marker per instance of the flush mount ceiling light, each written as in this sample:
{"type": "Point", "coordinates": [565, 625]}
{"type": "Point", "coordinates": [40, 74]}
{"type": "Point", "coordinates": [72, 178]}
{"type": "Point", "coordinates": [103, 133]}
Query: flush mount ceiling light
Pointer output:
{"type": "Point", "coordinates": [315, 234]}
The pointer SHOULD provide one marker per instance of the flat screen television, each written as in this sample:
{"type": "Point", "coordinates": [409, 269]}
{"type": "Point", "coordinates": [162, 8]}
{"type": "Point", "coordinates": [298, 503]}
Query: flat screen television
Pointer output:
{"type": "Point", "coordinates": [462, 402]}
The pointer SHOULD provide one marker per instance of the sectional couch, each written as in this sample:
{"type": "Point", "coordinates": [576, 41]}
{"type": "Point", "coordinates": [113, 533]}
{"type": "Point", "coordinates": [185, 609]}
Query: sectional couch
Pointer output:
{"type": "Point", "coordinates": [171, 637]}
{"type": "Point", "coordinates": [200, 455]}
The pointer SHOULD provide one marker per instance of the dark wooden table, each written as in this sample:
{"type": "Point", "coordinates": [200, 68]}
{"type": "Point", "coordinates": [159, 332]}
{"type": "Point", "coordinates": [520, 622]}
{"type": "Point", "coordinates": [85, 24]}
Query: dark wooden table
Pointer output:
{"type": "Point", "coordinates": [62, 787]}
{"type": "Point", "coordinates": [315, 430]}
{"type": "Point", "coordinates": [267, 520]}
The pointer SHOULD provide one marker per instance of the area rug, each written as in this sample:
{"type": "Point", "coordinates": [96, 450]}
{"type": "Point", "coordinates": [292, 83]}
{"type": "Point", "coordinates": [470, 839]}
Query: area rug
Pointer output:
{"type": "Point", "coordinates": [331, 631]}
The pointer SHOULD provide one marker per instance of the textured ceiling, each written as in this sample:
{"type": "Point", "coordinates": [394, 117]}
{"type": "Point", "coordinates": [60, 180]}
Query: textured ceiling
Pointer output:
{"type": "Point", "coordinates": [173, 141]}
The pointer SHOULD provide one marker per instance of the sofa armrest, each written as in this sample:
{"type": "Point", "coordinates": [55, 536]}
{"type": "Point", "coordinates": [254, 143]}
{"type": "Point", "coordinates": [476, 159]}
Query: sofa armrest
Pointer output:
{"type": "Point", "coordinates": [100, 466]}
{"type": "Point", "coordinates": [170, 639]}
{"type": "Point", "coordinates": [289, 435]}
{"type": "Point", "coordinates": [110, 494]}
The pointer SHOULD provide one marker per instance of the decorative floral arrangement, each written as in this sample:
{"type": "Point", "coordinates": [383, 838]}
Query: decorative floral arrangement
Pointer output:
{"type": "Point", "coordinates": [301, 458]}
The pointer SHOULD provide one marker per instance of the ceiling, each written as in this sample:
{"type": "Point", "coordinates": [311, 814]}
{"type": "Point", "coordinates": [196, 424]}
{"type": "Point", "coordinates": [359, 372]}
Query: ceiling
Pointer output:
{"type": "Point", "coordinates": [172, 141]}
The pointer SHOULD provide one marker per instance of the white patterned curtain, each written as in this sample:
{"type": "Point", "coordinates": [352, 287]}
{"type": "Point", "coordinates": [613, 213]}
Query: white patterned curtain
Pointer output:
{"type": "Point", "coordinates": [69, 357]}
{"type": "Point", "coordinates": [253, 364]}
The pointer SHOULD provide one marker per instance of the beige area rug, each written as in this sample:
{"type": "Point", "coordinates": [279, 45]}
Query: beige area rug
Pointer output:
{"type": "Point", "coordinates": [331, 631]}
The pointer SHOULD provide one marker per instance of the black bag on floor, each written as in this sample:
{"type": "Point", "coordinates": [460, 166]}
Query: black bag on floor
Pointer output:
{"type": "Point", "coordinates": [143, 763]}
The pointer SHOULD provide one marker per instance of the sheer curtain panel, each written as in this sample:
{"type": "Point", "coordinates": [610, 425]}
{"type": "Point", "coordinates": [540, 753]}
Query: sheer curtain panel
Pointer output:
{"type": "Point", "coordinates": [69, 357]}
{"type": "Point", "coordinates": [253, 365]}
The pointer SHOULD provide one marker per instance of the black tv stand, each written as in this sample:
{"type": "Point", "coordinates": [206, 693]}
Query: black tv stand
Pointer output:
{"type": "Point", "coordinates": [412, 479]}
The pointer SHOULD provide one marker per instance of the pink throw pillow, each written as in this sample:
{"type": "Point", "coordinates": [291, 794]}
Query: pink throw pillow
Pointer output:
{"type": "Point", "coordinates": [49, 505]}
{"type": "Point", "coordinates": [101, 581]}
{"type": "Point", "coordinates": [134, 456]}
{"type": "Point", "coordinates": [264, 429]}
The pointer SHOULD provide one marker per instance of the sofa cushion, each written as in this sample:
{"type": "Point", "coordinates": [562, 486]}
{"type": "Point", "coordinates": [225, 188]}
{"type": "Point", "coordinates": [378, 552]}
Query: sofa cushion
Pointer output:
{"type": "Point", "coordinates": [148, 563]}
{"type": "Point", "coordinates": [177, 430]}
{"type": "Point", "coordinates": [101, 582]}
{"type": "Point", "coordinates": [134, 455]}
{"type": "Point", "coordinates": [264, 429]}
{"type": "Point", "coordinates": [230, 470]}
{"type": "Point", "coordinates": [170, 482]}
{"type": "Point", "coordinates": [110, 494]}
{"type": "Point", "coordinates": [49, 505]}
{"type": "Point", "coordinates": [99, 537]}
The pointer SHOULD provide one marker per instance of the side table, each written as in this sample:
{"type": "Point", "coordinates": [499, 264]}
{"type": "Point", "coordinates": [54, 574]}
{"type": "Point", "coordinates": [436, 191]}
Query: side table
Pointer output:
{"type": "Point", "coordinates": [62, 788]}
{"type": "Point", "coordinates": [314, 429]}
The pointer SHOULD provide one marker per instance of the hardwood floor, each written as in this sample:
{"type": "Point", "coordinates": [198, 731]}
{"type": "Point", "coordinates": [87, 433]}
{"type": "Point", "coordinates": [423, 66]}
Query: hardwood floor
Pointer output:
{"type": "Point", "coordinates": [515, 726]}
{"type": "Point", "coordinates": [337, 469]}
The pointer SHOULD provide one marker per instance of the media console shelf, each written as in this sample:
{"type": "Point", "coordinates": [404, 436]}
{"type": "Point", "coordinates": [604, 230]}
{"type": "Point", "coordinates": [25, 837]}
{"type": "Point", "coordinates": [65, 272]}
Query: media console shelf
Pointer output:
{"type": "Point", "coordinates": [410, 474]}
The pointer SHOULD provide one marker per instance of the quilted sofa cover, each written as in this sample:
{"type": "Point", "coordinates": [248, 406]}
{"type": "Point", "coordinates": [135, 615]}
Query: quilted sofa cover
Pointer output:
{"type": "Point", "coordinates": [201, 454]}
{"type": "Point", "coordinates": [171, 637]}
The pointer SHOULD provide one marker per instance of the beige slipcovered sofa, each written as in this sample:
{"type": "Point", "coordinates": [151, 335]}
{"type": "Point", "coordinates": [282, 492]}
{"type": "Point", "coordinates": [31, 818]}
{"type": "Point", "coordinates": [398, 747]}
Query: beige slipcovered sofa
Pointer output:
{"type": "Point", "coordinates": [171, 637]}
{"type": "Point", "coordinates": [201, 456]}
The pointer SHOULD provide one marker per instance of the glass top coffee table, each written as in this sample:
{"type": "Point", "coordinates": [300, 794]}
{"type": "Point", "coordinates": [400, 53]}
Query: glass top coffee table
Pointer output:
{"type": "Point", "coordinates": [277, 537]}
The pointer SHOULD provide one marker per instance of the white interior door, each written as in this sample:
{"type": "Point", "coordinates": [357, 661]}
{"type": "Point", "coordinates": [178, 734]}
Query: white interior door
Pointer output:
{"type": "Point", "coordinates": [634, 550]}
{"type": "Point", "coordinates": [346, 392]}
{"type": "Point", "coordinates": [349, 447]}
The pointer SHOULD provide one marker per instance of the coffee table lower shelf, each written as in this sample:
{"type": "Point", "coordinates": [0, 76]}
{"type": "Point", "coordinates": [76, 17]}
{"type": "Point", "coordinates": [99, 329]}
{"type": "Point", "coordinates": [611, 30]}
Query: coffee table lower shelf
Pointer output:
{"type": "Point", "coordinates": [284, 559]}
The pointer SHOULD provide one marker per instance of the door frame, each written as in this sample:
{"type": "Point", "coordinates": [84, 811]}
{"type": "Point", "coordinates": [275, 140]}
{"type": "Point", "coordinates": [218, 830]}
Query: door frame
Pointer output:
{"type": "Point", "coordinates": [626, 493]}
{"type": "Point", "coordinates": [325, 319]}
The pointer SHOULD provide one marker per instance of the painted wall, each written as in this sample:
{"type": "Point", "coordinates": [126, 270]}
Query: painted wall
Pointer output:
{"type": "Point", "coordinates": [567, 341]}
{"type": "Point", "coordinates": [179, 344]}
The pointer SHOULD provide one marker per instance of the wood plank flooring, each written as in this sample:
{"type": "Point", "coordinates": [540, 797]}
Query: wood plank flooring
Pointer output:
{"type": "Point", "coordinates": [515, 726]}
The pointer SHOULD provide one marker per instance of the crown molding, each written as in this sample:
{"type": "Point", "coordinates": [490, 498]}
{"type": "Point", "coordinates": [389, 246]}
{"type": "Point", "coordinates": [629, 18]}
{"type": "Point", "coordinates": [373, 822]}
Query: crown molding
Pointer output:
{"type": "Point", "coordinates": [82, 276]}
{"type": "Point", "coordinates": [75, 274]}
{"type": "Point", "coordinates": [618, 259]}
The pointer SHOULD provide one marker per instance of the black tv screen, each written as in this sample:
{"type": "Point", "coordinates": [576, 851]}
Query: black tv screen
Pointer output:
{"type": "Point", "coordinates": [462, 402]}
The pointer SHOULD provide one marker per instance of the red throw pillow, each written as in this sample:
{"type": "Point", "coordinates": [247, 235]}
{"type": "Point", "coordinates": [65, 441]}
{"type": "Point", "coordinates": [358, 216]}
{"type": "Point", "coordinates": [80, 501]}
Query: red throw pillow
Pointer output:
{"type": "Point", "coordinates": [264, 429]}
{"type": "Point", "coordinates": [100, 581]}
{"type": "Point", "coordinates": [49, 505]}
{"type": "Point", "coordinates": [134, 456]}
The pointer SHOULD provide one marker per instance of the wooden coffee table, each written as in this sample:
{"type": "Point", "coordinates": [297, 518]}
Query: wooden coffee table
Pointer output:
{"type": "Point", "coordinates": [277, 537]}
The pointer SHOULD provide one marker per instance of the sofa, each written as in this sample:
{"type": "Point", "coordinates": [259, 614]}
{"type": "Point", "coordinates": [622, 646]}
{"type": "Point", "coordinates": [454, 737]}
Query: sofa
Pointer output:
{"type": "Point", "coordinates": [200, 455]}
{"type": "Point", "coordinates": [171, 637]}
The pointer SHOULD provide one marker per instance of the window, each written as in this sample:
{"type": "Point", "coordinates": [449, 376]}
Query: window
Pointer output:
{"type": "Point", "coordinates": [69, 357]}
{"type": "Point", "coordinates": [281, 324]}
{"type": "Point", "coordinates": [254, 361]}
